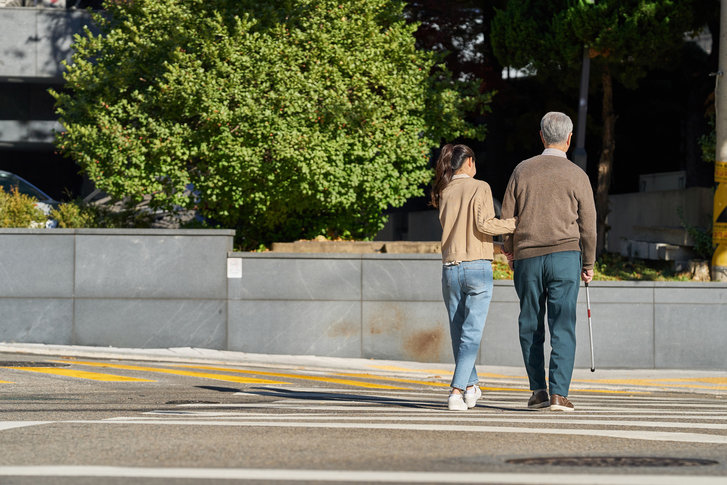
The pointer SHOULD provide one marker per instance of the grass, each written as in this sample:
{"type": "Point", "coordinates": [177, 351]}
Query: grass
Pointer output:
{"type": "Point", "coordinates": [613, 267]}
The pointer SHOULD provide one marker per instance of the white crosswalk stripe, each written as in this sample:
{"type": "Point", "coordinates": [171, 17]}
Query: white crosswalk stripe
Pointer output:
{"type": "Point", "coordinates": [685, 419]}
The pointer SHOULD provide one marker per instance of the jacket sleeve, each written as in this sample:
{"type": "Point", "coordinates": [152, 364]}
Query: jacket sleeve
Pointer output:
{"type": "Point", "coordinates": [587, 223]}
{"type": "Point", "coordinates": [508, 211]}
{"type": "Point", "coordinates": [485, 218]}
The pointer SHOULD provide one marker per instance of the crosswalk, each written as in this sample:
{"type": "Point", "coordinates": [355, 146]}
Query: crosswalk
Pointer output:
{"type": "Point", "coordinates": [681, 419]}
{"type": "Point", "coordinates": [382, 400]}
{"type": "Point", "coordinates": [676, 419]}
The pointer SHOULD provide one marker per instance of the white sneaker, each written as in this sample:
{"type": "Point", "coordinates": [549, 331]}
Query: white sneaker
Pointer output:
{"type": "Point", "coordinates": [471, 396]}
{"type": "Point", "coordinates": [456, 403]}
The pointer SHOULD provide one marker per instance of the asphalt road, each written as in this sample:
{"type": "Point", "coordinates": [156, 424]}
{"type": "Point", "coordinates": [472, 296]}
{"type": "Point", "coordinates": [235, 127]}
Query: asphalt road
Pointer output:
{"type": "Point", "coordinates": [76, 420]}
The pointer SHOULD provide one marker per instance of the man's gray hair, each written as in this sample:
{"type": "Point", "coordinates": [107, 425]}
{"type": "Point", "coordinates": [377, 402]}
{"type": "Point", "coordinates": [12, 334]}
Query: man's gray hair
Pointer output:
{"type": "Point", "coordinates": [556, 127]}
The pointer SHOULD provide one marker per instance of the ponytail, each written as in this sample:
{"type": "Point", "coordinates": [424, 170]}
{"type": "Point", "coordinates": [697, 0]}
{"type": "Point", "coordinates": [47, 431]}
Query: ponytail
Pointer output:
{"type": "Point", "coordinates": [451, 158]}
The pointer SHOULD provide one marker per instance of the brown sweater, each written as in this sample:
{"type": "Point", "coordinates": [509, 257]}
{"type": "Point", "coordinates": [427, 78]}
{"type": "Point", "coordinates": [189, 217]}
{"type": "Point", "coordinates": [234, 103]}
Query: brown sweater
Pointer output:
{"type": "Point", "coordinates": [468, 221]}
{"type": "Point", "coordinates": [553, 199]}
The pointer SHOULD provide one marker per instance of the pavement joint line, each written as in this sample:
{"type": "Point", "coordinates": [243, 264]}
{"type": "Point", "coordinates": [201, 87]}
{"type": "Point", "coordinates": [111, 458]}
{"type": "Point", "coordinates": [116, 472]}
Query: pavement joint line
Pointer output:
{"type": "Point", "coordinates": [455, 418]}
{"type": "Point", "coordinates": [5, 425]}
{"type": "Point", "coordinates": [480, 408]}
{"type": "Point", "coordinates": [341, 476]}
{"type": "Point", "coordinates": [474, 412]}
{"type": "Point", "coordinates": [605, 433]}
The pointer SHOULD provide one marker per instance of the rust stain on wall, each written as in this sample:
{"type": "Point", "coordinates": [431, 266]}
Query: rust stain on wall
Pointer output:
{"type": "Point", "coordinates": [388, 322]}
{"type": "Point", "coordinates": [343, 329]}
{"type": "Point", "coordinates": [425, 345]}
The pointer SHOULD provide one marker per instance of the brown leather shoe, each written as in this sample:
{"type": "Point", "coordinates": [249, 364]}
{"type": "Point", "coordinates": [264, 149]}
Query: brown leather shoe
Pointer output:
{"type": "Point", "coordinates": [560, 403]}
{"type": "Point", "coordinates": [538, 400]}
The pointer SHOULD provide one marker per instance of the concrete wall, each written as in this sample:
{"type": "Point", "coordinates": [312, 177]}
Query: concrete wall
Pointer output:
{"type": "Point", "coordinates": [185, 288]}
{"type": "Point", "coordinates": [36, 40]}
{"type": "Point", "coordinates": [390, 307]}
{"type": "Point", "coordinates": [123, 288]}
{"type": "Point", "coordinates": [653, 216]}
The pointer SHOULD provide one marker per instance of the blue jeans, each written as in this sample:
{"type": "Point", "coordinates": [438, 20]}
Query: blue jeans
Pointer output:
{"type": "Point", "coordinates": [551, 281]}
{"type": "Point", "coordinates": [467, 291]}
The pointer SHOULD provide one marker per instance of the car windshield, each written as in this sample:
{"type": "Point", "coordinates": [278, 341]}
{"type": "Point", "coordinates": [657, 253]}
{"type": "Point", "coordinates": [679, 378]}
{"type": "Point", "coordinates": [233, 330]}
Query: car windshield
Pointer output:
{"type": "Point", "coordinates": [7, 182]}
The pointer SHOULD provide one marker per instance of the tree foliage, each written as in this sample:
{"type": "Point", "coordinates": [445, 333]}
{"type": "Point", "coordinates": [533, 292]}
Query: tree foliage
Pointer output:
{"type": "Point", "coordinates": [629, 36]}
{"type": "Point", "coordinates": [624, 38]}
{"type": "Point", "coordinates": [283, 119]}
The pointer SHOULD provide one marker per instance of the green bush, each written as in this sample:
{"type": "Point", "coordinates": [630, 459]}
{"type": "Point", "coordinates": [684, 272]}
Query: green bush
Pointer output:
{"type": "Point", "coordinates": [614, 267]}
{"type": "Point", "coordinates": [19, 210]}
{"type": "Point", "coordinates": [78, 214]}
{"type": "Point", "coordinates": [73, 215]}
{"type": "Point", "coordinates": [702, 237]}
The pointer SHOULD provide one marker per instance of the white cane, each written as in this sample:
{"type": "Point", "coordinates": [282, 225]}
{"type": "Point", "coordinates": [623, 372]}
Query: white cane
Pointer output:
{"type": "Point", "coordinates": [590, 328]}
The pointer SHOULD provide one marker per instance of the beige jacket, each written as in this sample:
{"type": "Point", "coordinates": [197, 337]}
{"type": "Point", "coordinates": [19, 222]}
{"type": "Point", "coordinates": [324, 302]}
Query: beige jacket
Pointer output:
{"type": "Point", "coordinates": [468, 221]}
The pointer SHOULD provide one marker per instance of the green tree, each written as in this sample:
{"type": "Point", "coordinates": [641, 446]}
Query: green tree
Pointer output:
{"type": "Point", "coordinates": [625, 38]}
{"type": "Point", "coordinates": [288, 118]}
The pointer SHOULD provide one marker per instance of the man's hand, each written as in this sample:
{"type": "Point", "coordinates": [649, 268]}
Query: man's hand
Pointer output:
{"type": "Point", "coordinates": [509, 260]}
{"type": "Point", "coordinates": [587, 275]}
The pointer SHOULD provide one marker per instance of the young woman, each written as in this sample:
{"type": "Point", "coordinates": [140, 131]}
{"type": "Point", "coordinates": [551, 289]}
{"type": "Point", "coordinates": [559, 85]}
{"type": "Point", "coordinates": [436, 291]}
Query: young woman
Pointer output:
{"type": "Point", "coordinates": [467, 215]}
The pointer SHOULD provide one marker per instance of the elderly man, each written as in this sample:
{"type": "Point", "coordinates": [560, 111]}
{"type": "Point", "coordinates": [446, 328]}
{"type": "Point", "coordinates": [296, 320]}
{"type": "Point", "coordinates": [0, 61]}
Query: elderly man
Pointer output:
{"type": "Point", "coordinates": [553, 246]}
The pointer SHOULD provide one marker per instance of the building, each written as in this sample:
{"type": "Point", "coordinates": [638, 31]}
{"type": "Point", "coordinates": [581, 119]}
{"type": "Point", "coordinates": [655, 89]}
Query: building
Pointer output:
{"type": "Point", "coordinates": [35, 39]}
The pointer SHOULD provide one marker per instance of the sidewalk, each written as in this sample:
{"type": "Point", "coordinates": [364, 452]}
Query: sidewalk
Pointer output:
{"type": "Point", "coordinates": [703, 382]}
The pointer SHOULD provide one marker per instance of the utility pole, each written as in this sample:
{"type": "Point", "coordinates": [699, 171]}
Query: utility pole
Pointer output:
{"type": "Point", "coordinates": [580, 156]}
{"type": "Point", "coordinates": [719, 217]}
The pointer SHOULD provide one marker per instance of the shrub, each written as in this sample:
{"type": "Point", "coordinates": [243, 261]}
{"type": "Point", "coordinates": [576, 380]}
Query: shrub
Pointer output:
{"type": "Point", "coordinates": [117, 214]}
{"type": "Point", "coordinates": [19, 210]}
{"type": "Point", "coordinates": [703, 246]}
{"type": "Point", "coordinates": [72, 215]}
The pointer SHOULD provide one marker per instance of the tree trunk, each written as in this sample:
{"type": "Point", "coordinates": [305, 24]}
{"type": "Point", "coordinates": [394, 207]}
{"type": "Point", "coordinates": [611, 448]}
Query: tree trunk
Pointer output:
{"type": "Point", "coordinates": [605, 164]}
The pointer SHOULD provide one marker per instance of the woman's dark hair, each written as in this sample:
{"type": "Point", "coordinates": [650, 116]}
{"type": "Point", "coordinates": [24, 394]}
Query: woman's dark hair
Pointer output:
{"type": "Point", "coordinates": [451, 158]}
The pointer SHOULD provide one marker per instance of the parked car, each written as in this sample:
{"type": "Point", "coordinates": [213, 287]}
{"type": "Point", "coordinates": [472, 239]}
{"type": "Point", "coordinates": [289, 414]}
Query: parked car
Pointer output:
{"type": "Point", "coordinates": [45, 202]}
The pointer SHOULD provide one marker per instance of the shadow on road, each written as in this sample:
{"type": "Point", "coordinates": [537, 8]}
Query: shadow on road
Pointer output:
{"type": "Point", "coordinates": [358, 398]}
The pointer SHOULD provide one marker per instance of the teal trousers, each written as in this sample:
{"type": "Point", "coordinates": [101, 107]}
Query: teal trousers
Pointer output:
{"type": "Point", "coordinates": [548, 282]}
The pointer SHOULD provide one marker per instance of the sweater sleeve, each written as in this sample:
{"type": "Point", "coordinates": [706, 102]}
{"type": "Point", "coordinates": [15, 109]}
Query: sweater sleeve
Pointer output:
{"type": "Point", "coordinates": [485, 218]}
{"type": "Point", "coordinates": [508, 211]}
{"type": "Point", "coordinates": [587, 224]}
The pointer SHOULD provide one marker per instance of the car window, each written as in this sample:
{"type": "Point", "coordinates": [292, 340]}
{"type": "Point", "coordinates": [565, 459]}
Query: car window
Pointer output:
{"type": "Point", "coordinates": [6, 184]}
{"type": "Point", "coordinates": [27, 189]}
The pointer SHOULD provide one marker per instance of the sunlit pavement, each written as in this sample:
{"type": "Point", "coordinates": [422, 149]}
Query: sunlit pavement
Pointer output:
{"type": "Point", "coordinates": [104, 415]}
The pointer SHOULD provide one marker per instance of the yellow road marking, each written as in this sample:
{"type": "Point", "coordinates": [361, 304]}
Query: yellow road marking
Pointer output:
{"type": "Point", "coordinates": [80, 374]}
{"type": "Point", "coordinates": [332, 380]}
{"type": "Point", "coordinates": [204, 375]}
{"type": "Point", "coordinates": [484, 388]}
{"type": "Point", "coordinates": [407, 369]}
{"type": "Point", "coordinates": [393, 379]}
{"type": "Point", "coordinates": [443, 372]}
{"type": "Point", "coordinates": [6, 382]}
{"type": "Point", "coordinates": [714, 380]}
{"type": "Point", "coordinates": [675, 383]}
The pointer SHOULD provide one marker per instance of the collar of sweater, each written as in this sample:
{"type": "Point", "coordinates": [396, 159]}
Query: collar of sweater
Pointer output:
{"type": "Point", "coordinates": [555, 152]}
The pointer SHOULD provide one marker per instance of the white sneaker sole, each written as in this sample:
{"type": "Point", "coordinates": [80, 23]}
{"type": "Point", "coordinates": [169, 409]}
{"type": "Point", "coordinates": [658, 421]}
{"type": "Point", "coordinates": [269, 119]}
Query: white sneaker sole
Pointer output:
{"type": "Point", "coordinates": [456, 405]}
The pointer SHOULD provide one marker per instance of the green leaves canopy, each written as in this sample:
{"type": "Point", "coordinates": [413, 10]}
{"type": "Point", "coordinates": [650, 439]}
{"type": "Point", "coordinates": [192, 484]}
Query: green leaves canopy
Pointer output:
{"type": "Point", "coordinates": [289, 118]}
{"type": "Point", "coordinates": [630, 36]}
